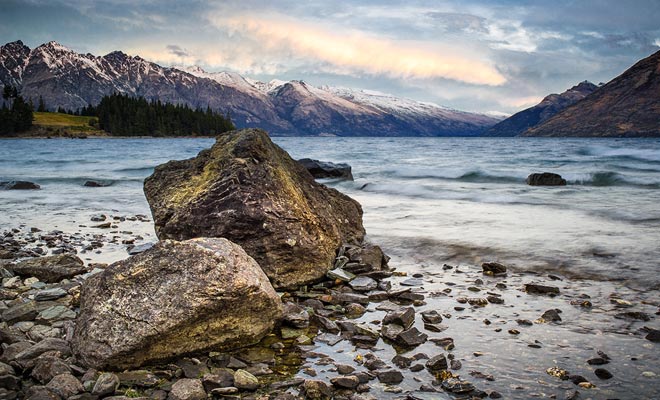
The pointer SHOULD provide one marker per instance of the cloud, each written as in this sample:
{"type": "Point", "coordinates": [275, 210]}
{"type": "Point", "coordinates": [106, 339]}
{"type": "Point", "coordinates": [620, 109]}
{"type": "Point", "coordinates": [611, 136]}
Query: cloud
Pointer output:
{"type": "Point", "coordinates": [177, 50]}
{"type": "Point", "coordinates": [358, 52]}
{"type": "Point", "coordinates": [656, 43]}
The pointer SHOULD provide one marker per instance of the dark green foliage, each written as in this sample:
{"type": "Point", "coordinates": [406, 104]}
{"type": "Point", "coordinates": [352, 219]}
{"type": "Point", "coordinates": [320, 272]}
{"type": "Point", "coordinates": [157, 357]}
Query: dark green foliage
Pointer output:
{"type": "Point", "coordinates": [42, 105]}
{"type": "Point", "coordinates": [16, 113]}
{"type": "Point", "coordinates": [123, 115]}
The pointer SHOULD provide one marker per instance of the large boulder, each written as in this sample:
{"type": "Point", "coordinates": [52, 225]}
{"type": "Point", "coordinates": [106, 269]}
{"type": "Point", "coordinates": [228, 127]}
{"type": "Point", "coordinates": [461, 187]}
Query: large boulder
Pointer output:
{"type": "Point", "coordinates": [174, 299]}
{"type": "Point", "coordinates": [50, 269]}
{"type": "Point", "coordinates": [247, 189]}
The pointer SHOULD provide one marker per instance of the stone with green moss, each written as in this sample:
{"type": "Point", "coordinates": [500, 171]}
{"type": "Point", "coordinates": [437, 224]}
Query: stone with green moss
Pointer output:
{"type": "Point", "coordinates": [248, 190]}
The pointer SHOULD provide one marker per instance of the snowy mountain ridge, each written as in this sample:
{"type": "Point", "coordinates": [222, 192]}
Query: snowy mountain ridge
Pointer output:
{"type": "Point", "coordinates": [64, 78]}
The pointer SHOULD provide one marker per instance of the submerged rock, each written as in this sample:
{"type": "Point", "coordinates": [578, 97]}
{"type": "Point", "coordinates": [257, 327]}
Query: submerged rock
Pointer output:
{"type": "Point", "coordinates": [546, 179]}
{"type": "Point", "coordinates": [51, 269]}
{"type": "Point", "coordinates": [174, 299]}
{"type": "Point", "coordinates": [19, 185]}
{"type": "Point", "coordinates": [324, 169]}
{"type": "Point", "coordinates": [247, 189]}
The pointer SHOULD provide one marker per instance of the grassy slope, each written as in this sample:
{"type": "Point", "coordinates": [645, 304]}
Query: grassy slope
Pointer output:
{"type": "Point", "coordinates": [57, 124]}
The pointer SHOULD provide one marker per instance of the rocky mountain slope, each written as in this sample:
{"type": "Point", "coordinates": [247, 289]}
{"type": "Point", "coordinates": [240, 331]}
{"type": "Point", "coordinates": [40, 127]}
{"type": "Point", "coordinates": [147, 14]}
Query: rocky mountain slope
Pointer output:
{"type": "Point", "coordinates": [520, 122]}
{"type": "Point", "coordinates": [71, 80]}
{"type": "Point", "coordinates": [628, 105]}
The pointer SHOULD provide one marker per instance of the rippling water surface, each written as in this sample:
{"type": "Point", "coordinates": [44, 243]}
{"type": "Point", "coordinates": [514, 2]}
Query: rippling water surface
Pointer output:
{"type": "Point", "coordinates": [454, 199]}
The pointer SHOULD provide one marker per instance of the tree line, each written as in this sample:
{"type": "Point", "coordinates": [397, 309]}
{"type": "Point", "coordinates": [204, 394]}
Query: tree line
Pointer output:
{"type": "Point", "coordinates": [16, 114]}
{"type": "Point", "coordinates": [123, 115]}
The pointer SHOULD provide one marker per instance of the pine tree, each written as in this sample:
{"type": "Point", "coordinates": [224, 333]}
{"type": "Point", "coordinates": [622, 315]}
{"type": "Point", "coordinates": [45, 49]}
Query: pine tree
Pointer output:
{"type": "Point", "coordinates": [41, 107]}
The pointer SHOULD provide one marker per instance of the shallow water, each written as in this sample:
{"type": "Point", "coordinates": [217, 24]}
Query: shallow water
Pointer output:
{"type": "Point", "coordinates": [429, 202]}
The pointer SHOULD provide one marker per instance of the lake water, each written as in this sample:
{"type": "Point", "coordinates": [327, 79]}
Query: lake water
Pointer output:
{"type": "Point", "coordinates": [443, 199]}
{"type": "Point", "coordinates": [428, 202]}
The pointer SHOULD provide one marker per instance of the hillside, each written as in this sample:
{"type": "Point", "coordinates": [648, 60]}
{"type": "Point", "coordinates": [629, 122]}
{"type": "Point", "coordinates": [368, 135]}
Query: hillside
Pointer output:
{"type": "Point", "coordinates": [71, 80]}
{"type": "Point", "coordinates": [628, 106]}
{"type": "Point", "coordinates": [552, 104]}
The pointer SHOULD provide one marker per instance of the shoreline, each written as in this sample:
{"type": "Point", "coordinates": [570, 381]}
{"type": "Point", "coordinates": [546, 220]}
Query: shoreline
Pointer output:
{"type": "Point", "coordinates": [470, 304]}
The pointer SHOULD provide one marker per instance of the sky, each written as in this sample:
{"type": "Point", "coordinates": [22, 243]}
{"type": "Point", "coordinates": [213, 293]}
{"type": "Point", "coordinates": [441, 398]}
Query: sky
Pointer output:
{"type": "Point", "coordinates": [492, 56]}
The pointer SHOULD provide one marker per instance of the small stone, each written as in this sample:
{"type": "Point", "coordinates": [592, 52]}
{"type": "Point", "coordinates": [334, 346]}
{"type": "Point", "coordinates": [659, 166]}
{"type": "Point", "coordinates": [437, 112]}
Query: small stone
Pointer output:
{"type": "Point", "coordinates": [341, 274]}
{"type": "Point", "coordinates": [653, 335]}
{"type": "Point", "coordinates": [514, 331]}
{"type": "Point", "coordinates": [56, 313]}
{"type": "Point", "coordinates": [633, 316]}
{"type": "Point", "coordinates": [493, 268]}
{"type": "Point", "coordinates": [20, 312]}
{"type": "Point", "coordinates": [345, 369]}
{"type": "Point", "coordinates": [437, 363]}
{"type": "Point", "coordinates": [316, 390]}
{"type": "Point", "coordinates": [49, 294]}
{"type": "Point", "coordinates": [295, 316]}
{"type": "Point", "coordinates": [106, 385]}
{"type": "Point", "coordinates": [495, 299]}
{"type": "Point", "coordinates": [245, 380]}
{"type": "Point", "coordinates": [455, 365]}
{"type": "Point", "coordinates": [602, 373]}
{"type": "Point", "coordinates": [551, 315]}
{"type": "Point", "coordinates": [431, 317]}
{"type": "Point", "coordinates": [98, 218]}
{"type": "Point", "coordinates": [46, 368]}
{"type": "Point", "coordinates": [533, 288]}
{"type": "Point", "coordinates": [477, 302]}
{"type": "Point", "coordinates": [346, 381]}
{"type": "Point", "coordinates": [404, 317]}
{"type": "Point", "coordinates": [65, 385]}
{"type": "Point", "coordinates": [187, 389]}
{"type": "Point", "coordinates": [411, 337]}
{"type": "Point", "coordinates": [597, 361]}
{"type": "Point", "coordinates": [218, 379]}
{"type": "Point", "coordinates": [390, 376]}
{"type": "Point", "coordinates": [363, 284]}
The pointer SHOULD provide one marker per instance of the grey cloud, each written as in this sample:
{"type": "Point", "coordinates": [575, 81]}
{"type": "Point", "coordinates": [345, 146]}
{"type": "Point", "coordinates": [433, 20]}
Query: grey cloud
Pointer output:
{"type": "Point", "coordinates": [177, 50]}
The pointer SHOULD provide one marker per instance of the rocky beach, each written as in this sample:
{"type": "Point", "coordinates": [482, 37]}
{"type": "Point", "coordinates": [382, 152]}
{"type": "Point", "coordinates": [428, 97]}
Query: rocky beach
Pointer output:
{"type": "Point", "coordinates": [295, 303]}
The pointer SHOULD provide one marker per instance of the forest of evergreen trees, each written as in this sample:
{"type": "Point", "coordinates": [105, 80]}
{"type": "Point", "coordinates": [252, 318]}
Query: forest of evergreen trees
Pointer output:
{"type": "Point", "coordinates": [16, 113]}
{"type": "Point", "coordinates": [122, 115]}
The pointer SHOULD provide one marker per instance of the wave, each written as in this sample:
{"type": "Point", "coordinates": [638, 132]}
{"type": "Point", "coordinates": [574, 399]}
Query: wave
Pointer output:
{"type": "Point", "coordinates": [462, 175]}
{"type": "Point", "coordinates": [647, 155]}
{"type": "Point", "coordinates": [611, 178]}
{"type": "Point", "coordinates": [74, 180]}
{"type": "Point", "coordinates": [144, 170]}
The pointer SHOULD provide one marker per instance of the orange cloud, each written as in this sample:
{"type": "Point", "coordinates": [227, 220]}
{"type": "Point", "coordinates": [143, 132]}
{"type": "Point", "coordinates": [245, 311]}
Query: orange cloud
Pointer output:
{"type": "Point", "coordinates": [356, 51]}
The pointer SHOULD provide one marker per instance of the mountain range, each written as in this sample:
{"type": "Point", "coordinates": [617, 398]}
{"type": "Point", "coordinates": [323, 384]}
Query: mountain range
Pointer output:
{"type": "Point", "coordinates": [520, 122]}
{"type": "Point", "coordinates": [628, 106]}
{"type": "Point", "coordinates": [64, 78]}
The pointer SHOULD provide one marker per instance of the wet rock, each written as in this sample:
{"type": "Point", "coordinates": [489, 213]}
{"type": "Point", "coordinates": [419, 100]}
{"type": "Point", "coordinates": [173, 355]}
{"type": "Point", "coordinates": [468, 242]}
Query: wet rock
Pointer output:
{"type": "Point", "coordinates": [391, 331]}
{"type": "Point", "coordinates": [633, 316]}
{"type": "Point", "coordinates": [577, 379]}
{"type": "Point", "coordinates": [602, 373]}
{"type": "Point", "coordinates": [295, 316]}
{"type": "Point", "coordinates": [402, 361]}
{"type": "Point", "coordinates": [345, 381]}
{"type": "Point", "coordinates": [106, 385]}
{"type": "Point", "coordinates": [477, 302]}
{"type": "Point", "coordinates": [19, 185]}
{"type": "Point", "coordinates": [316, 390]}
{"type": "Point", "coordinates": [653, 335]}
{"type": "Point", "coordinates": [493, 268]}
{"type": "Point", "coordinates": [10, 382]}
{"type": "Point", "coordinates": [148, 307]}
{"type": "Point", "coordinates": [390, 376]}
{"type": "Point", "coordinates": [325, 169]}
{"type": "Point", "coordinates": [545, 179]}
{"type": "Point", "coordinates": [325, 324]}
{"type": "Point", "coordinates": [404, 317]}
{"type": "Point", "coordinates": [248, 190]}
{"type": "Point", "coordinates": [457, 386]}
{"type": "Point", "coordinates": [437, 363]}
{"type": "Point", "coordinates": [597, 361]}
{"type": "Point", "coordinates": [431, 317]}
{"type": "Point", "coordinates": [65, 385]}
{"type": "Point", "coordinates": [455, 365]}
{"type": "Point", "coordinates": [98, 218]}
{"type": "Point", "coordinates": [133, 250]}
{"type": "Point", "coordinates": [245, 380]}
{"type": "Point", "coordinates": [345, 369]}
{"type": "Point", "coordinates": [524, 322]}
{"type": "Point", "coordinates": [363, 284]}
{"type": "Point", "coordinates": [95, 184]}
{"type": "Point", "coordinates": [551, 315]}
{"type": "Point", "coordinates": [411, 338]}
{"type": "Point", "coordinates": [187, 389]}
{"type": "Point", "coordinates": [56, 313]}
{"type": "Point", "coordinates": [51, 269]}
{"type": "Point", "coordinates": [495, 299]}
{"type": "Point", "coordinates": [533, 288]}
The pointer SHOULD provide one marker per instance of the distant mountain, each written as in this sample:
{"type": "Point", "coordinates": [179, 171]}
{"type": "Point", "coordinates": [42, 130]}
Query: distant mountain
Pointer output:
{"type": "Point", "coordinates": [520, 122]}
{"type": "Point", "coordinates": [628, 105]}
{"type": "Point", "coordinates": [67, 79]}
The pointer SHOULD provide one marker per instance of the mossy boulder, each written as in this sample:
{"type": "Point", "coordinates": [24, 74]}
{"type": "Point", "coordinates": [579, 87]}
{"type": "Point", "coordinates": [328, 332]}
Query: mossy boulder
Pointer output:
{"type": "Point", "coordinates": [174, 299]}
{"type": "Point", "coordinates": [250, 191]}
